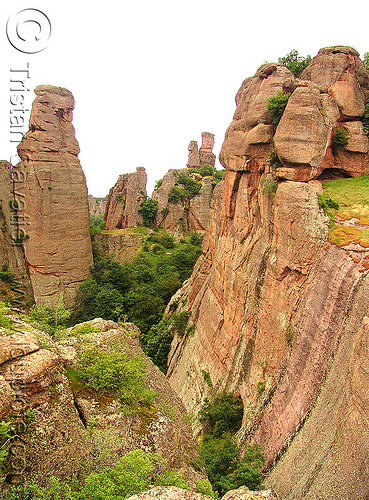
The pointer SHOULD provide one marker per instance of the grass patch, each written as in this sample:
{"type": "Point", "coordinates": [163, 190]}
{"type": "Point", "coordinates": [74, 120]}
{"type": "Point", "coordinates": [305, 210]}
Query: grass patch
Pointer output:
{"type": "Point", "coordinates": [352, 198]}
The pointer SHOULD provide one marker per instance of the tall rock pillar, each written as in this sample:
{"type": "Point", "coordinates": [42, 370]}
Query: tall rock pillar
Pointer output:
{"type": "Point", "coordinates": [57, 244]}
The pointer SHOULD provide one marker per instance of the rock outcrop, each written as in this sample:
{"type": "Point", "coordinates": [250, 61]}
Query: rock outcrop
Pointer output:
{"type": "Point", "coordinates": [96, 205]}
{"type": "Point", "coordinates": [13, 225]}
{"type": "Point", "coordinates": [278, 312]}
{"type": "Point", "coordinates": [54, 199]}
{"type": "Point", "coordinates": [124, 199]}
{"type": "Point", "coordinates": [204, 156]}
{"type": "Point", "coordinates": [66, 427]}
{"type": "Point", "coordinates": [173, 493]}
{"type": "Point", "coordinates": [185, 214]}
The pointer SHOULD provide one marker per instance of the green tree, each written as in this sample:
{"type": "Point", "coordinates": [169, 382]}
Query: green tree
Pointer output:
{"type": "Point", "coordinates": [295, 63]}
{"type": "Point", "coordinates": [148, 209]}
{"type": "Point", "coordinates": [276, 106]}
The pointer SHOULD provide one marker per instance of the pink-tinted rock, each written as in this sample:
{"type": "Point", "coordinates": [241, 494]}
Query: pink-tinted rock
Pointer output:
{"type": "Point", "coordinates": [124, 200]}
{"type": "Point", "coordinates": [58, 245]}
{"type": "Point", "coordinates": [193, 155]}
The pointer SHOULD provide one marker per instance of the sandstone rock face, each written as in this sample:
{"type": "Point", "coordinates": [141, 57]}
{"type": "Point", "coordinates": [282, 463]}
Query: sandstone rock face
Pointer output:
{"type": "Point", "coordinates": [276, 309]}
{"type": "Point", "coordinates": [13, 225]}
{"type": "Point", "coordinates": [57, 245]}
{"type": "Point", "coordinates": [124, 200]}
{"type": "Point", "coordinates": [193, 155]}
{"type": "Point", "coordinates": [96, 205]}
{"type": "Point", "coordinates": [75, 428]}
{"type": "Point", "coordinates": [207, 157]}
{"type": "Point", "coordinates": [185, 215]}
{"type": "Point", "coordinates": [122, 247]}
{"type": "Point", "coordinates": [330, 95]}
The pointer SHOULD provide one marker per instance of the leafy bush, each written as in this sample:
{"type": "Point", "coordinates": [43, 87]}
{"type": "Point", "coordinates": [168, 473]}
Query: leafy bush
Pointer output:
{"type": "Point", "coordinates": [276, 106]}
{"type": "Point", "coordinates": [206, 170]}
{"type": "Point", "coordinates": [295, 63]}
{"type": "Point", "coordinates": [175, 194]}
{"type": "Point", "coordinates": [50, 320]}
{"type": "Point", "coordinates": [5, 320]}
{"type": "Point", "coordinates": [270, 185]}
{"type": "Point", "coordinates": [172, 478]}
{"type": "Point", "coordinates": [274, 160]}
{"type": "Point", "coordinates": [191, 186]}
{"type": "Point", "coordinates": [339, 139]}
{"type": "Point", "coordinates": [97, 224]}
{"type": "Point", "coordinates": [219, 452]}
{"type": "Point", "coordinates": [114, 371]}
{"type": "Point", "coordinates": [148, 209]}
{"type": "Point", "coordinates": [6, 432]}
{"type": "Point", "coordinates": [204, 486]}
{"type": "Point", "coordinates": [158, 183]}
{"type": "Point", "coordinates": [139, 289]}
{"type": "Point", "coordinates": [223, 414]}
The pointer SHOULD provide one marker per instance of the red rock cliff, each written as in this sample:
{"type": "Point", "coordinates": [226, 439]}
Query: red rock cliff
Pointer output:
{"type": "Point", "coordinates": [124, 199]}
{"type": "Point", "coordinates": [58, 245]}
{"type": "Point", "coordinates": [279, 313]}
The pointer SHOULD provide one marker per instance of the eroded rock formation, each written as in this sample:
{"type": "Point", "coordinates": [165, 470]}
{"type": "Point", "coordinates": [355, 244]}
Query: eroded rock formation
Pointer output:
{"type": "Point", "coordinates": [13, 226]}
{"type": "Point", "coordinates": [124, 199]}
{"type": "Point", "coordinates": [279, 313]}
{"type": "Point", "coordinates": [57, 244]}
{"type": "Point", "coordinates": [204, 156]}
{"type": "Point", "coordinates": [188, 214]}
{"type": "Point", "coordinates": [74, 428]}
{"type": "Point", "coordinates": [96, 205]}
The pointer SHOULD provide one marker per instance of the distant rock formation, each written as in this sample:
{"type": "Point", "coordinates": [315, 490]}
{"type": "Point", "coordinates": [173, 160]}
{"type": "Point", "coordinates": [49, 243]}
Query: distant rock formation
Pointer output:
{"type": "Point", "coordinates": [57, 244]}
{"type": "Point", "coordinates": [124, 199]}
{"type": "Point", "coordinates": [188, 214]}
{"type": "Point", "coordinates": [205, 156]}
{"type": "Point", "coordinates": [96, 205]}
{"type": "Point", "coordinates": [279, 313]}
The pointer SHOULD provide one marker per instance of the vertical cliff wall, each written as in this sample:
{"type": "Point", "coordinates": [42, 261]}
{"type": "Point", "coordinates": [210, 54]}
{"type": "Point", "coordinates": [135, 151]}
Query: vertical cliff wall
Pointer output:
{"type": "Point", "coordinates": [57, 244]}
{"type": "Point", "coordinates": [124, 199]}
{"type": "Point", "coordinates": [12, 227]}
{"type": "Point", "coordinates": [276, 308]}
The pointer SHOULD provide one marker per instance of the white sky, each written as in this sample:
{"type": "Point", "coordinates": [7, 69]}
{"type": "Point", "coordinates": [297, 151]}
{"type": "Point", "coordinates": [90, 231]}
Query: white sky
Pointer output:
{"type": "Point", "coordinates": [149, 76]}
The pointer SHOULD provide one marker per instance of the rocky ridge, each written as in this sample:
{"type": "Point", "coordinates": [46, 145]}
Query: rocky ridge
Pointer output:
{"type": "Point", "coordinates": [276, 308]}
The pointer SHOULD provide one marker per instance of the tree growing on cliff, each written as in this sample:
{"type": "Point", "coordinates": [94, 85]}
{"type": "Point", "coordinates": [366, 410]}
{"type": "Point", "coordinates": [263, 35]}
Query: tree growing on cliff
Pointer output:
{"type": "Point", "coordinates": [295, 63]}
{"type": "Point", "coordinates": [148, 209]}
{"type": "Point", "coordinates": [276, 106]}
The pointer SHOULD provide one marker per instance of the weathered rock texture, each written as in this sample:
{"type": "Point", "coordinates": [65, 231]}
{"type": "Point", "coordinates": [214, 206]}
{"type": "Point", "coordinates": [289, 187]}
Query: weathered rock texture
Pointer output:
{"type": "Point", "coordinates": [124, 200]}
{"type": "Point", "coordinates": [204, 156]}
{"type": "Point", "coordinates": [58, 246]}
{"type": "Point", "coordinates": [186, 215]}
{"type": "Point", "coordinates": [121, 246]}
{"type": "Point", "coordinates": [96, 205]}
{"type": "Point", "coordinates": [173, 493]}
{"type": "Point", "coordinates": [277, 310]}
{"type": "Point", "coordinates": [74, 428]}
{"type": "Point", "coordinates": [13, 226]}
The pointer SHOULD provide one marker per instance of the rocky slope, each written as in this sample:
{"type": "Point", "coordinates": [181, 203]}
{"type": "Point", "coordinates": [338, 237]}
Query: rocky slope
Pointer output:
{"type": "Point", "coordinates": [279, 313]}
{"type": "Point", "coordinates": [72, 428]}
{"type": "Point", "coordinates": [52, 194]}
{"type": "Point", "coordinates": [124, 199]}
